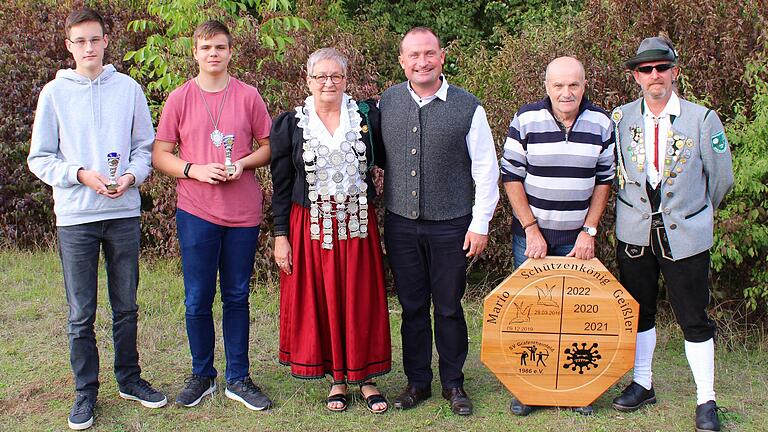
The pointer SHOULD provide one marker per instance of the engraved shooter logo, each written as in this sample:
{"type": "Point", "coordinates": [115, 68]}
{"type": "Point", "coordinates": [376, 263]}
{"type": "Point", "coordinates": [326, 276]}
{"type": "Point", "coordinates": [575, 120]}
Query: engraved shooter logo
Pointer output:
{"type": "Point", "coordinates": [533, 354]}
{"type": "Point", "coordinates": [582, 358]}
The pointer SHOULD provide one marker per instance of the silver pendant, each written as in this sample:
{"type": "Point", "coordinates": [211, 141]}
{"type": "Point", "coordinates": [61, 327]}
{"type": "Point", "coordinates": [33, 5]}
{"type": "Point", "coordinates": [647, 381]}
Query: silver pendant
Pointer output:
{"type": "Point", "coordinates": [314, 230]}
{"type": "Point", "coordinates": [217, 137]}
{"type": "Point", "coordinates": [309, 156]}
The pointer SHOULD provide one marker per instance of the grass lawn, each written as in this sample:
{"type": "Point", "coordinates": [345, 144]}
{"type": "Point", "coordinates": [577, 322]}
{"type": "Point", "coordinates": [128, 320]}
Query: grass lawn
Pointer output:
{"type": "Point", "coordinates": [36, 384]}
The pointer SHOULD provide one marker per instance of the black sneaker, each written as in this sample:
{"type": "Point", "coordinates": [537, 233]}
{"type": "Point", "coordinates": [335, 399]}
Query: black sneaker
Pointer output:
{"type": "Point", "coordinates": [81, 415]}
{"type": "Point", "coordinates": [633, 397]}
{"type": "Point", "coordinates": [706, 417]}
{"type": "Point", "coordinates": [519, 409]}
{"type": "Point", "coordinates": [143, 392]}
{"type": "Point", "coordinates": [246, 392]}
{"type": "Point", "coordinates": [196, 388]}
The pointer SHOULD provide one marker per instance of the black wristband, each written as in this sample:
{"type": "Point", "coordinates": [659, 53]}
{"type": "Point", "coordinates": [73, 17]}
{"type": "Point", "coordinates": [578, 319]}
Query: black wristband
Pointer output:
{"type": "Point", "coordinates": [186, 169]}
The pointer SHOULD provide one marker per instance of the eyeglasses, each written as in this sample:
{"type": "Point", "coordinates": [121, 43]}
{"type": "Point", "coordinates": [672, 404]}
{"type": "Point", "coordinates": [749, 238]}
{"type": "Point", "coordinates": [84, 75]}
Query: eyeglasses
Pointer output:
{"type": "Point", "coordinates": [659, 68]}
{"type": "Point", "coordinates": [321, 79]}
{"type": "Point", "coordinates": [80, 43]}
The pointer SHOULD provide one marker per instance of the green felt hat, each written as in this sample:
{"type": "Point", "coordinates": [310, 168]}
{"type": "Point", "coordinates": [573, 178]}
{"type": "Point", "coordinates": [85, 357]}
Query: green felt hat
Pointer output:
{"type": "Point", "coordinates": [652, 49]}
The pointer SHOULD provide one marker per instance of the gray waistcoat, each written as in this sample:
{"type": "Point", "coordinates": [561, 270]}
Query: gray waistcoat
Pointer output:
{"type": "Point", "coordinates": [428, 172]}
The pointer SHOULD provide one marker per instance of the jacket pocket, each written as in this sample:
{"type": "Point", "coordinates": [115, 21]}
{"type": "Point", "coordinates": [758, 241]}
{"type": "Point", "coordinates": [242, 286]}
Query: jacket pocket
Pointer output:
{"type": "Point", "coordinates": [633, 251]}
{"type": "Point", "coordinates": [697, 212]}
{"type": "Point", "coordinates": [618, 197]}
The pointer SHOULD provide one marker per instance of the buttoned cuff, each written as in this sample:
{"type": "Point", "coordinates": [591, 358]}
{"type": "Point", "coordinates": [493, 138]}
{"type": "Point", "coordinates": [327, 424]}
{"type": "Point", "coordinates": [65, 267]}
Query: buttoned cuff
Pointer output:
{"type": "Point", "coordinates": [479, 226]}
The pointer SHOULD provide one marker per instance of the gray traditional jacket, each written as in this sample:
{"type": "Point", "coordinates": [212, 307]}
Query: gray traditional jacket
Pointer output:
{"type": "Point", "coordinates": [696, 176]}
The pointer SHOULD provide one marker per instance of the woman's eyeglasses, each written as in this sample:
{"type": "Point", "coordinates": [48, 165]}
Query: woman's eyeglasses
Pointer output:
{"type": "Point", "coordinates": [321, 79]}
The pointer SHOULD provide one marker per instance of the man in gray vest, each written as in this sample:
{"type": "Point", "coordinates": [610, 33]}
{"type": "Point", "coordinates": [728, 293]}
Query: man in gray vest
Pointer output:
{"type": "Point", "coordinates": [674, 170]}
{"type": "Point", "coordinates": [440, 191]}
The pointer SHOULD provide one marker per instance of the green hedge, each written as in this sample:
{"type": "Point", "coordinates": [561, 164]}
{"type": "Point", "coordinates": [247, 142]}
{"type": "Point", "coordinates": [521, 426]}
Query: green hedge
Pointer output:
{"type": "Point", "coordinates": [723, 57]}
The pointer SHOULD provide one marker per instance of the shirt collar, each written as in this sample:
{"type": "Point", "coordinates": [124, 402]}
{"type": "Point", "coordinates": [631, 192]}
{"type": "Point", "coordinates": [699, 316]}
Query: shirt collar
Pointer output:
{"type": "Point", "coordinates": [671, 109]}
{"type": "Point", "coordinates": [317, 125]}
{"type": "Point", "coordinates": [441, 93]}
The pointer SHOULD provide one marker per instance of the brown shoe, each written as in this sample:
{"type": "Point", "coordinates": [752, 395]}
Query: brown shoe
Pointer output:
{"type": "Point", "coordinates": [411, 396]}
{"type": "Point", "coordinates": [460, 403]}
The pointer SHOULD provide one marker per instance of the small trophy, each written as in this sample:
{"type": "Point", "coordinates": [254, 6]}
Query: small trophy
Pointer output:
{"type": "Point", "coordinates": [113, 160]}
{"type": "Point", "coordinates": [229, 141]}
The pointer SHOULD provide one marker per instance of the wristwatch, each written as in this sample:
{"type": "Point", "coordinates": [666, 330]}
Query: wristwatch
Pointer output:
{"type": "Point", "coordinates": [592, 231]}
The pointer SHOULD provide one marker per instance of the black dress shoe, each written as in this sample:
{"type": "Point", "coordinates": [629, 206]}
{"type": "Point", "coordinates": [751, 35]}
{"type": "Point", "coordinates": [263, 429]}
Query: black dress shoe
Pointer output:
{"type": "Point", "coordinates": [633, 397]}
{"type": "Point", "coordinates": [460, 403]}
{"type": "Point", "coordinates": [706, 417]}
{"type": "Point", "coordinates": [586, 410]}
{"type": "Point", "coordinates": [411, 396]}
{"type": "Point", "coordinates": [518, 408]}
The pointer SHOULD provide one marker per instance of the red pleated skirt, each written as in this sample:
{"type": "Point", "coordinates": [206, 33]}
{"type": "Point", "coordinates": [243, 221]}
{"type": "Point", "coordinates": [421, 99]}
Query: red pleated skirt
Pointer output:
{"type": "Point", "coordinates": [333, 307]}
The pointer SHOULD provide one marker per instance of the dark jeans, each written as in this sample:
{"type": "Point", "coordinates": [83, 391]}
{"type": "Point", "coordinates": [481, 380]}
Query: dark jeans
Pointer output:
{"type": "Point", "coordinates": [79, 247]}
{"type": "Point", "coordinates": [429, 266]}
{"type": "Point", "coordinates": [687, 282]}
{"type": "Point", "coordinates": [518, 248]}
{"type": "Point", "coordinates": [208, 249]}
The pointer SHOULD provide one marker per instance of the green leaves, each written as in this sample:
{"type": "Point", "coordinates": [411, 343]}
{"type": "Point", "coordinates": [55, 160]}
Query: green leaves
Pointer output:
{"type": "Point", "coordinates": [274, 32]}
{"type": "Point", "coordinates": [741, 235]}
{"type": "Point", "coordinates": [164, 62]}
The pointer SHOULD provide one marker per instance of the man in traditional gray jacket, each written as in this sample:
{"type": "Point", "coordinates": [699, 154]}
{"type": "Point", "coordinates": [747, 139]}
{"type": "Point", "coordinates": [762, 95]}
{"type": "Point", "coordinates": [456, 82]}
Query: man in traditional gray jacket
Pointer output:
{"type": "Point", "coordinates": [440, 191]}
{"type": "Point", "coordinates": [674, 170]}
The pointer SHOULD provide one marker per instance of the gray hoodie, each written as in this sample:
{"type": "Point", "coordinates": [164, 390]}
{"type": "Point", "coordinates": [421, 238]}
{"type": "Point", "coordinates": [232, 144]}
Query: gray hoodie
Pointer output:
{"type": "Point", "coordinates": [77, 123]}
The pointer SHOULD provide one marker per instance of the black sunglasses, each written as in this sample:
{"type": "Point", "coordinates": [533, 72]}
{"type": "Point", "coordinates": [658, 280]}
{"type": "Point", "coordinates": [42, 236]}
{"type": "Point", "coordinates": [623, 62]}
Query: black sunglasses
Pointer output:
{"type": "Point", "coordinates": [659, 67]}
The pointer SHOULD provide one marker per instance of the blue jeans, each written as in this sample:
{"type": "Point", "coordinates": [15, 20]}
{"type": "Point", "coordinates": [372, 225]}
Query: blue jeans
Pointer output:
{"type": "Point", "coordinates": [518, 248]}
{"type": "Point", "coordinates": [79, 247]}
{"type": "Point", "coordinates": [208, 249]}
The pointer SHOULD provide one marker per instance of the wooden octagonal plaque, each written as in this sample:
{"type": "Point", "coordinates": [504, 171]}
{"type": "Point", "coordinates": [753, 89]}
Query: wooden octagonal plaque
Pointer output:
{"type": "Point", "coordinates": [559, 331]}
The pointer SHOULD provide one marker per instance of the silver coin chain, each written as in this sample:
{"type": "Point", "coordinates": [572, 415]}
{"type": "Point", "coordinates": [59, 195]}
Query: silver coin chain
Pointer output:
{"type": "Point", "coordinates": [325, 172]}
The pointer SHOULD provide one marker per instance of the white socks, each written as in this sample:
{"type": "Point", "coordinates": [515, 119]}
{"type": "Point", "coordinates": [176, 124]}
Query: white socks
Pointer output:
{"type": "Point", "coordinates": [646, 343]}
{"type": "Point", "coordinates": [701, 358]}
{"type": "Point", "coordinates": [700, 355]}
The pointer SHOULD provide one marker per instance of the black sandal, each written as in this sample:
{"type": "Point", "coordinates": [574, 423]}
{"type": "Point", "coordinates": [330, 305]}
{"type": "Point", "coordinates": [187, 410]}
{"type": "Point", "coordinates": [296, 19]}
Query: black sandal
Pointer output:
{"type": "Point", "coordinates": [337, 397]}
{"type": "Point", "coordinates": [374, 399]}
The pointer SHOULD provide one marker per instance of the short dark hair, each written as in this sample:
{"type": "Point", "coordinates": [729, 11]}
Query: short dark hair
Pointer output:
{"type": "Point", "coordinates": [210, 29]}
{"type": "Point", "coordinates": [79, 16]}
{"type": "Point", "coordinates": [420, 29]}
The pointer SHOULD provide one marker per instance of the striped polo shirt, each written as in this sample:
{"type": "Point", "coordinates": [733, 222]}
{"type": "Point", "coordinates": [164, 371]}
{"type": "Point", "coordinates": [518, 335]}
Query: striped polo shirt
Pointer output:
{"type": "Point", "coordinates": [559, 169]}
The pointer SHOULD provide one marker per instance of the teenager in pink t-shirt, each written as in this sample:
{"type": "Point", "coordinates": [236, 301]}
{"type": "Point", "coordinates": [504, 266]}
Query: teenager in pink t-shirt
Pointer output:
{"type": "Point", "coordinates": [214, 120]}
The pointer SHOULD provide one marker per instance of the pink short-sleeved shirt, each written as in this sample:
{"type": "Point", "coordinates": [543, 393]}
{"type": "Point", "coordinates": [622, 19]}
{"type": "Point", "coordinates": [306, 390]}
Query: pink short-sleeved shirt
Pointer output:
{"type": "Point", "coordinates": [185, 121]}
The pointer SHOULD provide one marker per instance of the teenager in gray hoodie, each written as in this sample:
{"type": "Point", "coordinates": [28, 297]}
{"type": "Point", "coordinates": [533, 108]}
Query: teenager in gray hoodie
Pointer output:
{"type": "Point", "coordinates": [92, 142]}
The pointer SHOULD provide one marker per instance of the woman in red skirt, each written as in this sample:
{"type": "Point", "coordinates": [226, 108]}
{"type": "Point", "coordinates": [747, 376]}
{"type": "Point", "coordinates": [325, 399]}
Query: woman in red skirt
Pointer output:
{"type": "Point", "coordinates": [333, 306]}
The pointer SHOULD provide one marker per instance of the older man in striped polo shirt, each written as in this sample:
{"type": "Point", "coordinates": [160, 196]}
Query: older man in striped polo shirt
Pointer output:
{"type": "Point", "coordinates": [557, 169]}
